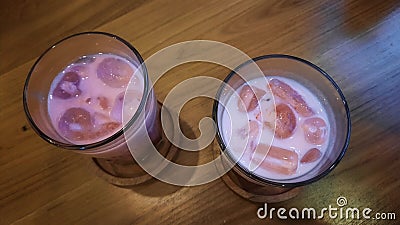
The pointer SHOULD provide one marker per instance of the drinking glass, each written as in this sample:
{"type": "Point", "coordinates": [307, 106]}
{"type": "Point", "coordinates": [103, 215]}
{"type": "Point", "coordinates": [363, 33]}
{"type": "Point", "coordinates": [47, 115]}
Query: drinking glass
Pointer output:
{"type": "Point", "coordinates": [261, 189]}
{"type": "Point", "coordinates": [111, 157]}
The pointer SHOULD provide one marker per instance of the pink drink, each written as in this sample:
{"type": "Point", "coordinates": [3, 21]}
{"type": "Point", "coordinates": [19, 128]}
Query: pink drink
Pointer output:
{"type": "Point", "coordinates": [85, 103]}
{"type": "Point", "coordinates": [281, 141]}
{"type": "Point", "coordinates": [85, 99]}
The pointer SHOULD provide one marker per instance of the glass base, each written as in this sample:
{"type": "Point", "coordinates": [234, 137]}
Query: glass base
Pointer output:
{"type": "Point", "coordinates": [126, 173]}
{"type": "Point", "coordinates": [258, 193]}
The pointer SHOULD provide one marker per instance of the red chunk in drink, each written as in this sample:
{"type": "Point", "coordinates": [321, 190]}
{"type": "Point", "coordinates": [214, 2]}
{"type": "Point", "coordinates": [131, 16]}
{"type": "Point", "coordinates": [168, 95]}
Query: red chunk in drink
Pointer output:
{"type": "Point", "coordinates": [276, 159]}
{"type": "Point", "coordinates": [315, 130]}
{"type": "Point", "coordinates": [285, 121]}
{"type": "Point", "coordinates": [68, 86]}
{"type": "Point", "coordinates": [288, 94]}
{"type": "Point", "coordinates": [249, 97]}
{"type": "Point", "coordinates": [75, 124]}
{"type": "Point", "coordinates": [114, 72]}
{"type": "Point", "coordinates": [103, 102]}
{"type": "Point", "coordinates": [311, 156]}
{"type": "Point", "coordinates": [105, 129]}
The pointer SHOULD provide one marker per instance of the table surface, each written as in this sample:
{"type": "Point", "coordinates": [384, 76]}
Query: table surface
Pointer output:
{"type": "Point", "coordinates": [356, 42]}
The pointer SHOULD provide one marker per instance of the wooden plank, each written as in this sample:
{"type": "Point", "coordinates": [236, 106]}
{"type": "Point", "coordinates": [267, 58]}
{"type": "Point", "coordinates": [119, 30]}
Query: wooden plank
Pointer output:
{"type": "Point", "coordinates": [356, 42]}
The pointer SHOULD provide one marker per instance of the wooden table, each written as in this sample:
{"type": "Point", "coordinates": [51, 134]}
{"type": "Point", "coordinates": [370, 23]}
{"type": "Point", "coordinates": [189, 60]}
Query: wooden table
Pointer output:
{"type": "Point", "coordinates": [356, 42]}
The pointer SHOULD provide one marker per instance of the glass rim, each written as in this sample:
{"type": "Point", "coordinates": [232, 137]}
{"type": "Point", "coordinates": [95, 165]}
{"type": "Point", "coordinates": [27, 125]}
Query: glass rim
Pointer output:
{"type": "Point", "coordinates": [263, 179]}
{"type": "Point", "coordinates": [71, 146]}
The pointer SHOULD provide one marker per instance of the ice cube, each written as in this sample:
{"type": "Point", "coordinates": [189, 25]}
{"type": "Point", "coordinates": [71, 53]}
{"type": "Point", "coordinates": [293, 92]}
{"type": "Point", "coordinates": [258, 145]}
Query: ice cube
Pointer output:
{"type": "Point", "coordinates": [275, 159]}
{"type": "Point", "coordinates": [311, 155]}
{"type": "Point", "coordinates": [288, 94]}
{"type": "Point", "coordinates": [249, 98]}
{"type": "Point", "coordinates": [68, 86]}
{"type": "Point", "coordinates": [75, 124]}
{"type": "Point", "coordinates": [315, 130]}
{"type": "Point", "coordinates": [114, 72]}
{"type": "Point", "coordinates": [250, 132]}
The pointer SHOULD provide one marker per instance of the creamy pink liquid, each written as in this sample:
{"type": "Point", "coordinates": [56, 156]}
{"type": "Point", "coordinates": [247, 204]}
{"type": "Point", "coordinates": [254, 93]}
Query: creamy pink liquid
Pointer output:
{"type": "Point", "coordinates": [296, 127]}
{"type": "Point", "coordinates": [85, 99]}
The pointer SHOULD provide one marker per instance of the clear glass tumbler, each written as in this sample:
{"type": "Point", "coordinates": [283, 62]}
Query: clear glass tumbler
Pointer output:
{"type": "Point", "coordinates": [258, 188]}
{"type": "Point", "coordinates": [110, 154]}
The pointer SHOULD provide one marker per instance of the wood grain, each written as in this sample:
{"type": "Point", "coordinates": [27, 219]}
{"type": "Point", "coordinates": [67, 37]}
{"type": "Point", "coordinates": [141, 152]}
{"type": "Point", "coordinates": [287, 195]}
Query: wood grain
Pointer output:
{"type": "Point", "coordinates": [355, 41]}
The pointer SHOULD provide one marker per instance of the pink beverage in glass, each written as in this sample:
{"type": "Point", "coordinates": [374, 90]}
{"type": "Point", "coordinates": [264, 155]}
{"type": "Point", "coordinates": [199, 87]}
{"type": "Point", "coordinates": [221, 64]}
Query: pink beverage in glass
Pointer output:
{"type": "Point", "coordinates": [90, 93]}
{"type": "Point", "coordinates": [85, 101]}
{"type": "Point", "coordinates": [284, 133]}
